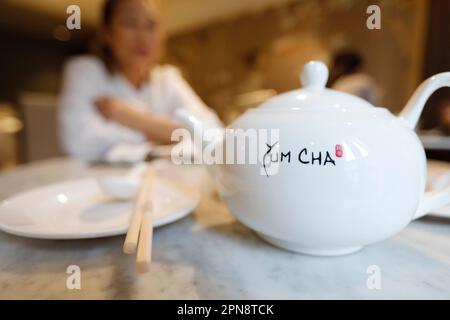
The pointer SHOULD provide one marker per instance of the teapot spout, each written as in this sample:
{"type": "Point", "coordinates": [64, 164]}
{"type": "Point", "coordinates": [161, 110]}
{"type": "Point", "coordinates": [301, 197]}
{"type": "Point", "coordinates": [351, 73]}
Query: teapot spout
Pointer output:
{"type": "Point", "coordinates": [413, 109]}
{"type": "Point", "coordinates": [203, 131]}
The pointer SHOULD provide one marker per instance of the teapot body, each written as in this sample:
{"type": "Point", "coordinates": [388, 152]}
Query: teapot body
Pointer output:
{"type": "Point", "coordinates": [340, 173]}
{"type": "Point", "coordinates": [353, 180]}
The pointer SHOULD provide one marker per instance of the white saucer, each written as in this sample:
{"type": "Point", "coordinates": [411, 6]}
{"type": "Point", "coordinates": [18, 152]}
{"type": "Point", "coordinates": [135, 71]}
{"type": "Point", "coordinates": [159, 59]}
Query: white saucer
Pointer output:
{"type": "Point", "coordinates": [79, 210]}
{"type": "Point", "coordinates": [438, 178]}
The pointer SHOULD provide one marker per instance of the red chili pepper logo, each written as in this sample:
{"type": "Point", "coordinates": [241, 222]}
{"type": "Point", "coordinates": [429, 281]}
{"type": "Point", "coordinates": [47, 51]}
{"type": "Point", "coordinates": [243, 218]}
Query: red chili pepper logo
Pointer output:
{"type": "Point", "coordinates": [339, 151]}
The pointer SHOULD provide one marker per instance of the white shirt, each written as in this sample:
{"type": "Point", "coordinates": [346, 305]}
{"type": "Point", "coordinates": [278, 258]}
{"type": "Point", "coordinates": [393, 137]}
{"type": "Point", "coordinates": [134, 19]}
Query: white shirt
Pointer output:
{"type": "Point", "coordinates": [361, 85]}
{"type": "Point", "coordinates": [86, 134]}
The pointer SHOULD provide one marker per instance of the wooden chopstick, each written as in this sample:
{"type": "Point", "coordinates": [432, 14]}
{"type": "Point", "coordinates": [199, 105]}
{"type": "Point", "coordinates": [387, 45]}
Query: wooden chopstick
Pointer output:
{"type": "Point", "coordinates": [140, 206]}
{"type": "Point", "coordinates": [144, 250]}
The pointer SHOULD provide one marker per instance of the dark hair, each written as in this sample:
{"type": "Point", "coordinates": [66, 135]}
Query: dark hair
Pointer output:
{"type": "Point", "coordinates": [103, 51]}
{"type": "Point", "coordinates": [344, 63]}
{"type": "Point", "coordinates": [109, 7]}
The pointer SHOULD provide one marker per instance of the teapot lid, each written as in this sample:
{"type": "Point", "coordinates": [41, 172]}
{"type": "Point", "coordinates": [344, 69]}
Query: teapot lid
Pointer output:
{"type": "Point", "coordinates": [314, 95]}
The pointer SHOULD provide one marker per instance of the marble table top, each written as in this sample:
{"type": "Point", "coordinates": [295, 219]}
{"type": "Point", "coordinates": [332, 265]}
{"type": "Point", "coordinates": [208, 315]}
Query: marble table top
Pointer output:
{"type": "Point", "coordinates": [209, 255]}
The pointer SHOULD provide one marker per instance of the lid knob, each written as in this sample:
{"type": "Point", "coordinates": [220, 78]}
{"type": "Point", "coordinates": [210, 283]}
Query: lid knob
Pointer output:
{"type": "Point", "coordinates": [314, 75]}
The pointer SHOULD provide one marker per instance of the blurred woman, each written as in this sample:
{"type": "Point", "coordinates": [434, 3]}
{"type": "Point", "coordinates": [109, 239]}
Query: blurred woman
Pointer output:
{"type": "Point", "coordinates": [123, 97]}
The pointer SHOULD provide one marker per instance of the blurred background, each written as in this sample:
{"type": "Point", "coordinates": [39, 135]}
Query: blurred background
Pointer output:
{"type": "Point", "coordinates": [234, 53]}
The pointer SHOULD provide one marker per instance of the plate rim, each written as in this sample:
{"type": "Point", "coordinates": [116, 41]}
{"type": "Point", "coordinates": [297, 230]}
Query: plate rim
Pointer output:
{"type": "Point", "coordinates": [194, 194]}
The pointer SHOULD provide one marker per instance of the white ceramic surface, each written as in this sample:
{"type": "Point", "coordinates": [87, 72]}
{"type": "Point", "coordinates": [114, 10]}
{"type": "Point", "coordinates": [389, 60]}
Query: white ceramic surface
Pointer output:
{"type": "Point", "coordinates": [118, 187]}
{"type": "Point", "coordinates": [368, 185]}
{"type": "Point", "coordinates": [79, 209]}
{"type": "Point", "coordinates": [123, 187]}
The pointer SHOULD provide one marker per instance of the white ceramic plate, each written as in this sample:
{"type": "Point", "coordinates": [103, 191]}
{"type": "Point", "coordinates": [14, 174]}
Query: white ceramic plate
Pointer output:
{"type": "Point", "coordinates": [79, 210]}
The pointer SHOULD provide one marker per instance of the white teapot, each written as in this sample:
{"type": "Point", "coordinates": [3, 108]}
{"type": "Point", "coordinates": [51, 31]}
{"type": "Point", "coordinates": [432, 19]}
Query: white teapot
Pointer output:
{"type": "Point", "coordinates": [348, 174]}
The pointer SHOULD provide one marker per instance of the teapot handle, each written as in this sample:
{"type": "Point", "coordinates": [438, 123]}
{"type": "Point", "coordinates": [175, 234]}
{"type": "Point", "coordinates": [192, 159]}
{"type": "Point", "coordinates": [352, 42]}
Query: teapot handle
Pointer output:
{"type": "Point", "coordinates": [433, 200]}
{"type": "Point", "coordinates": [413, 109]}
{"type": "Point", "coordinates": [410, 116]}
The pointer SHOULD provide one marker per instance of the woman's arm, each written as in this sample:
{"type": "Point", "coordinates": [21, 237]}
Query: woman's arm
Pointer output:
{"type": "Point", "coordinates": [157, 128]}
